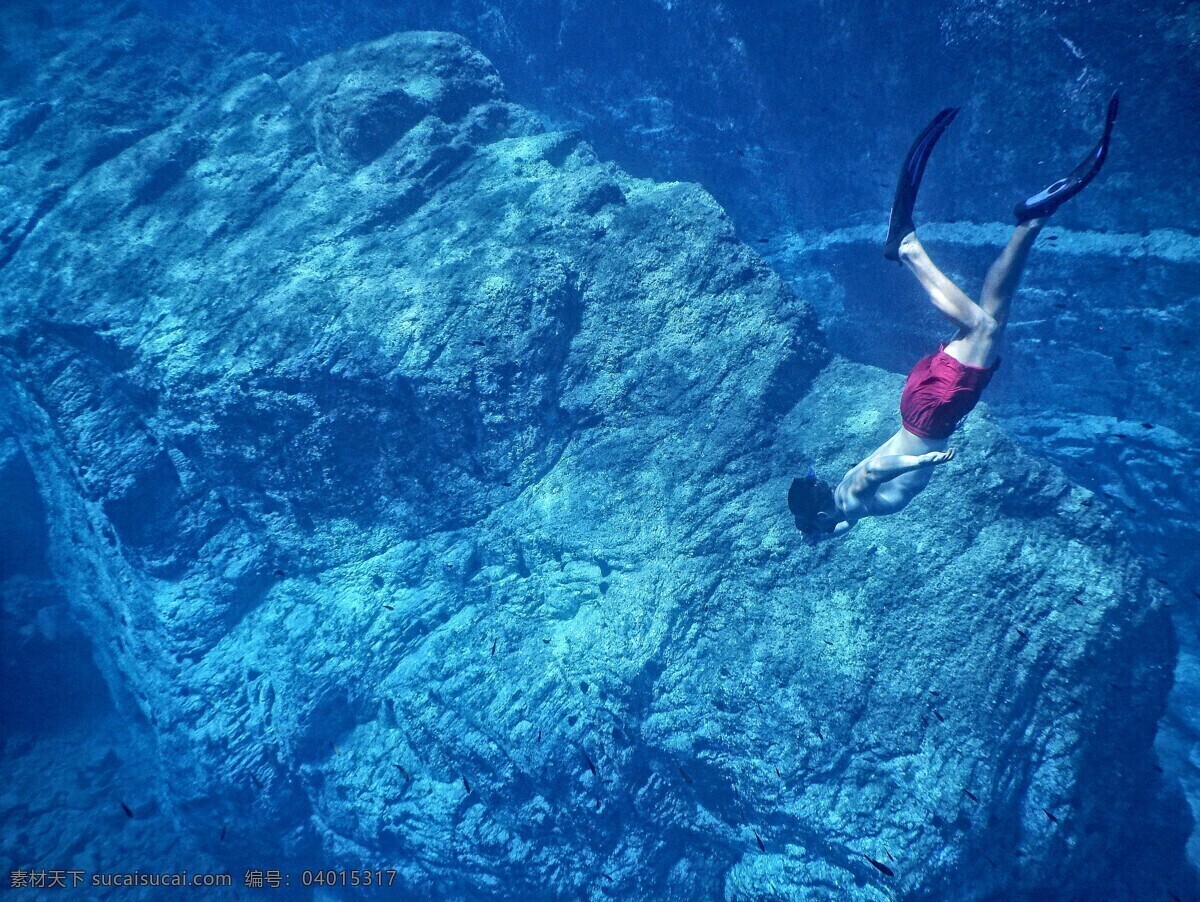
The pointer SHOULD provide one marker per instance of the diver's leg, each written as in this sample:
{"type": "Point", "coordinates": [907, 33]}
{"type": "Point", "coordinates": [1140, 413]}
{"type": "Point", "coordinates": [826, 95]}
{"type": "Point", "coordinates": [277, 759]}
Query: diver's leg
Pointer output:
{"type": "Point", "coordinates": [1001, 282]}
{"type": "Point", "coordinates": [948, 298]}
{"type": "Point", "coordinates": [981, 345]}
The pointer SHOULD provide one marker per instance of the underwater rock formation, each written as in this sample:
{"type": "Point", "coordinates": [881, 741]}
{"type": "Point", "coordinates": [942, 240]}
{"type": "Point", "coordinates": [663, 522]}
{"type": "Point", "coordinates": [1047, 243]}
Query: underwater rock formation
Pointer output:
{"type": "Point", "coordinates": [795, 116]}
{"type": "Point", "coordinates": [418, 479]}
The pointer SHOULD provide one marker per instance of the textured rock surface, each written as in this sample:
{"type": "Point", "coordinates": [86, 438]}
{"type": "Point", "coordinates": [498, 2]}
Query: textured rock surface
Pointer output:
{"type": "Point", "coordinates": [795, 115]}
{"type": "Point", "coordinates": [418, 480]}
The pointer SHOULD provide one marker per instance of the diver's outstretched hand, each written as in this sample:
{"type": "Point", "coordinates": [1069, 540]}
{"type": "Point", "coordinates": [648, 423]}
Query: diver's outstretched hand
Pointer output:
{"type": "Point", "coordinates": [937, 457]}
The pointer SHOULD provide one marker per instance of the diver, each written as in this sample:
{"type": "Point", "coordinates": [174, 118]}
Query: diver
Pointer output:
{"type": "Point", "coordinates": [943, 387]}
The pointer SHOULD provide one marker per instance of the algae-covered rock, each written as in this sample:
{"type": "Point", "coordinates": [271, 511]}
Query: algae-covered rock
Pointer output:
{"type": "Point", "coordinates": [419, 484]}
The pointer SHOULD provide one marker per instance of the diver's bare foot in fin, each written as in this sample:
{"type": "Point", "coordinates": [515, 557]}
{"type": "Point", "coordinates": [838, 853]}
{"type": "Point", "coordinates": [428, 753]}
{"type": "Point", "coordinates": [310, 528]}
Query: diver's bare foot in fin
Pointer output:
{"type": "Point", "coordinates": [1050, 199]}
{"type": "Point", "coordinates": [901, 223]}
{"type": "Point", "coordinates": [908, 246]}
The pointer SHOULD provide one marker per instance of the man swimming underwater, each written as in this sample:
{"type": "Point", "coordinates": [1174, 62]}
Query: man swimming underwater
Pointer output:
{"type": "Point", "coordinates": [943, 387]}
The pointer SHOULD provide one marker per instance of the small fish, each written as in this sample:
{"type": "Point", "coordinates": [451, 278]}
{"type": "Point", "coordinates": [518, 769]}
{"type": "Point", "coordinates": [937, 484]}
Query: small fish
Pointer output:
{"type": "Point", "coordinates": [1157, 768]}
{"type": "Point", "coordinates": [820, 735]}
{"type": "Point", "coordinates": [607, 876]}
{"type": "Point", "coordinates": [1078, 601]}
{"type": "Point", "coordinates": [758, 839]}
{"type": "Point", "coordinates": [764, 240]}
{"type": "Point", "coordinates": [1060, 306]}
{"type": "Point", "coordinates": [1126, 347]}
{"type": "Point", "coordinates": [938, 715]}
{"type": "Point", "coordinates": [539, 734]}
{"type": "Point", "coordinates": [128, 811]}
{"type": "Point", "coordinates": [507, 485]}
{"type": "Point", "coordinates": [494, 647]}
{"type": "Point", "coordinates": [400, 767]}
{"type": "Point", "coordinates": [889, 855]}
{"type": "Point", "coordinates": [221, 838]}
{"type": "Point", "coordinates": [1053, 819]}
{"type": "Point", "coordinates": [591, 765]}
{"type": "Point", "coordinates": [970, 795]}
{"type": "Point", "coordinates": [390, 607]}
{"type": "Point", "coordinates": [279, 573]}
{"type": "Point", "coordinates": [1022, 633]}
{"type": "Point", "coordinates": [1147, 425]}
{"type": "Point", "coordinates": [827, 642]}
{"type": "Point", "coordinates": [466, 785]}
{"type": "Point", "coordinates": [687, 778]}
{"type": "Point", "coordinates": [881, 867]}
{"type": "Point", "coordinates": [777, 773]}
{"type": "Point", "coordinates": [477, 343]}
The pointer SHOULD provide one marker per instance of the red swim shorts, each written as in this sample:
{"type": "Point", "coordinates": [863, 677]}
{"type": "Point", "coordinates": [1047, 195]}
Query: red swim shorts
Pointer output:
{"type": "Point", "coordinates": [939, 394]}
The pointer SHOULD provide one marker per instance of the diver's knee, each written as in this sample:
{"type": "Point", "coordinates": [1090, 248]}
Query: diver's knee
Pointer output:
{"type": "Point", "coordinates": [987, 325]}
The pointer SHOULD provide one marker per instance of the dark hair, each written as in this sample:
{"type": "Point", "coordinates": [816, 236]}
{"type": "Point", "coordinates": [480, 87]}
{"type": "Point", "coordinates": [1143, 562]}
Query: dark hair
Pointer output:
{"type": "Point", "coordinates": [808, 497]}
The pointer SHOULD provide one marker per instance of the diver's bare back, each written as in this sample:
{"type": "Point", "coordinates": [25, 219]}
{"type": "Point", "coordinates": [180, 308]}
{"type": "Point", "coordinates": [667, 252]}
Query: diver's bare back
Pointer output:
{"type": "Point", "coordinates": [890, 477]}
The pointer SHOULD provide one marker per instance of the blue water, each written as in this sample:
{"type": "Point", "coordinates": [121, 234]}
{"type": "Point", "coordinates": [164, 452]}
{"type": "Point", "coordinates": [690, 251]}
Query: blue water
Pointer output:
{"type": "Point", "coordinates": [398, 405]}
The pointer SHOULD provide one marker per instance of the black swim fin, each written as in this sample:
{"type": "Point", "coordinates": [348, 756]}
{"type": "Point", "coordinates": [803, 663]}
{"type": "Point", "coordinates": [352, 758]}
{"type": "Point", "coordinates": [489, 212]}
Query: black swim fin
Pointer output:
{"type": "Point", "coordinates": [1050, 199]}
{"type": "Point", "coordinates": [901, 223]}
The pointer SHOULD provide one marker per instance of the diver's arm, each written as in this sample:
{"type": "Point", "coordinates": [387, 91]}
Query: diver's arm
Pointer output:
{"type": "Point", "coordinates": [881, 469]}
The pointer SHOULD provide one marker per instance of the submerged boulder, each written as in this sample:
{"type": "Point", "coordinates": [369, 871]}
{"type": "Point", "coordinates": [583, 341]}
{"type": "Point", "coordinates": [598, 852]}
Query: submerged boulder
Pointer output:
{"type": "Point", "coordinates": [419, 480]}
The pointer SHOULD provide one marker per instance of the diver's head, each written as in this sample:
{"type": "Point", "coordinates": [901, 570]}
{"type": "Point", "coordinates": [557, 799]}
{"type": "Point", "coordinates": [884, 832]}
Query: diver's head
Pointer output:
{"type": "Point", "coordinates": [811, 503]}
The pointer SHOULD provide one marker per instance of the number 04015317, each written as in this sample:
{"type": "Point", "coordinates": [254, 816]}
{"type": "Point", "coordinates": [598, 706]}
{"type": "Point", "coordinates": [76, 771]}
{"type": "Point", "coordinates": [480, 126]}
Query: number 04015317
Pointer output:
{"type": "Point", "coordinates": [352, 877]}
